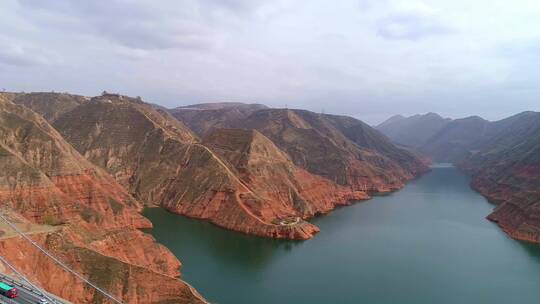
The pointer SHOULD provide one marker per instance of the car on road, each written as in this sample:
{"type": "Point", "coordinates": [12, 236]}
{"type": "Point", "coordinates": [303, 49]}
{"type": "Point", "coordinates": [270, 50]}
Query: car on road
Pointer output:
{"type": "Point", "coordinates": [42, 301]}
{"type": "Point", "coordinates": [8, 290]}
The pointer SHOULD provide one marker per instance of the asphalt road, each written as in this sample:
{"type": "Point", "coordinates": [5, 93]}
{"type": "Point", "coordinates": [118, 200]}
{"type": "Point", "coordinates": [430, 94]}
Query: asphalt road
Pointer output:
{"type": "Point", "coordinates": [24, 297]}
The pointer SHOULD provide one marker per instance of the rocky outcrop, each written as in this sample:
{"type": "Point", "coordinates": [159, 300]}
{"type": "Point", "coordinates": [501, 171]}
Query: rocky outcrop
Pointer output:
{"type": "Point", "coordinates": [44, 180]}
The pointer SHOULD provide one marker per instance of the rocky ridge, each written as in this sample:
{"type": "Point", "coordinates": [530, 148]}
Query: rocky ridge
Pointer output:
{"type": "Point", "coordinates": [341, 149]}
{"type": "Point", "coordinates": [505, 167]}
{"type": "Point", "coordinates": [412, 131]}
{"type": "Point", "coordinates": [161, 162]}
{"type": "Point", "coordinates": [44, 180]}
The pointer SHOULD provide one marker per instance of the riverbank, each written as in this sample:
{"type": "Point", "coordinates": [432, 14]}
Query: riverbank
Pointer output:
{"type": "Point", "coordinates": [429, 242]}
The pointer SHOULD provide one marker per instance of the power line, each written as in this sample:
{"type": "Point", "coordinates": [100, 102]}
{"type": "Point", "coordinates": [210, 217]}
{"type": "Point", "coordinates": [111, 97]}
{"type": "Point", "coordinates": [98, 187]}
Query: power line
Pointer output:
{"type": "Point", "coordinates": [66, 267]}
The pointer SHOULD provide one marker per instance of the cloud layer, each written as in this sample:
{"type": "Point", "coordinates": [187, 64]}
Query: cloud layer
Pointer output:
{"type": "Point", "coordinates": [366, 58]}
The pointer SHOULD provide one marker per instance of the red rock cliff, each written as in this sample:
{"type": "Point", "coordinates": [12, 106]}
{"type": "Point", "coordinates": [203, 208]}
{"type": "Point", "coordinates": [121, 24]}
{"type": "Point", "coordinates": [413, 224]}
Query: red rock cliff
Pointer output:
{"type": "Point", "coordinates": [304, 164]}
{"type": "Point", "coordinates": [46, 181]}
{"type": "Point", "coordinates": [505, 167]}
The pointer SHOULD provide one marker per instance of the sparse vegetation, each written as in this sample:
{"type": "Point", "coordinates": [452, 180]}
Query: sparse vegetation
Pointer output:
{"type": "Point", "coordinates": [90, 215]}
{"type": "Point", "coordinates": [52, 220]}
{"type": "Point", "coordinates": [116, 206]}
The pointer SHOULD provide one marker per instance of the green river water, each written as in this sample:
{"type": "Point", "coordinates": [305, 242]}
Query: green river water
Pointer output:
{"type": "Point", "coordinates": [427, 243]}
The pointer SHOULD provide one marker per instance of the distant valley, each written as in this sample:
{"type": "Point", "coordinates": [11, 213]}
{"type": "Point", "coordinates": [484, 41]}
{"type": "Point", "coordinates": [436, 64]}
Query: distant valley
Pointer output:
{"type": "Point", "coordinates": [503, 158]}
{"type": "Point", "coordinates": [269, 152]}
{"type": "Point", "coordinates": [81, 169]}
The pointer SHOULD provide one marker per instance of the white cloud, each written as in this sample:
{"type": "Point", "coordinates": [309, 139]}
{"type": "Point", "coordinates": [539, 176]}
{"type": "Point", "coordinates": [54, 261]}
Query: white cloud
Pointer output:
{"type": "Point", "coordinates": [411, 27]}
{"type": "Point", "coordinates": [372, 58]}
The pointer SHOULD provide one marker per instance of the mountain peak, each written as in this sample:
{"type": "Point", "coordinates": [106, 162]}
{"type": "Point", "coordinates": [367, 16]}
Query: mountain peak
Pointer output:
{"type": "Point", "coordinates": [115, 98]}
{"type": "Point", "coordinates": [412, 131]}
{"type": "Point", "coordinates": [391, 120]}
{"type": "Point", "coordinates": [432, 115]}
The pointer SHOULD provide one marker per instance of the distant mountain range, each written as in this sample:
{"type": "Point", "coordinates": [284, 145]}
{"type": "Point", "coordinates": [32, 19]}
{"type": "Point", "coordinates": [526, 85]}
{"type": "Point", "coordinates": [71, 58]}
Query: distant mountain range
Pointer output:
{"type": "Point", "coordinates": [413, 131]}
{"type": "Point", "coordinates": [86, 166]}
{"type": "Point", "coordinates": [503, 158]}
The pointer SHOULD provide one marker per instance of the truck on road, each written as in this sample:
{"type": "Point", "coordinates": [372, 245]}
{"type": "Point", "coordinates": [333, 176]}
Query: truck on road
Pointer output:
{"type": "Point", "coordinates": [8, 290]}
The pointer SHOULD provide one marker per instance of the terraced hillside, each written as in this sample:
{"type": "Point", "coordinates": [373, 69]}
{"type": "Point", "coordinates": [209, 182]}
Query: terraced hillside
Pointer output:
{"type": "Point", "coordinates": [43, 180]}
{"type": "Point", "coordinates": [326, 161]}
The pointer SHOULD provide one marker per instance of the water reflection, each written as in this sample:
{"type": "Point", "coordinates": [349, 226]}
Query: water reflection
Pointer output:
{"type": "Point", "coordinates": [427, 243]}
{"type": "Point", "coordinates": [235, 249]}
{"type": "Point", "coordinates": [532, 249]}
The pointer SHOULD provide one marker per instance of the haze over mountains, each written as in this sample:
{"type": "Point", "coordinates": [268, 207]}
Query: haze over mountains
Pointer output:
{"type": "Point", "coordinates": [412, 131]}
{"type": "Point", "coordinates": [202, 117]}
{"type": "Point", "coordinates": [241, 146]}
{"type": "Point", "coordinates": [502, 157]}
{"type": "Point", "coordinates": [85, 167]}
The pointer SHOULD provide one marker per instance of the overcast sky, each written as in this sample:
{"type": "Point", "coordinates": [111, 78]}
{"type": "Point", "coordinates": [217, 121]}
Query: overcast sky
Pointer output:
{"type": "Point", "coordinates": [365, 58]}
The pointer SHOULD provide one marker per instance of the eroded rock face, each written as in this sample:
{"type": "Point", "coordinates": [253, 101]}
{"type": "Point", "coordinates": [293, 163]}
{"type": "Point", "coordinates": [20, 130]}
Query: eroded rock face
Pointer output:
{"type": "Point", "coordinates": [341, 149]}
{"type": "Point", "coordinates": [163, 163]}
{"type": "Point", "coordinates": [279, 192]}
{"type": "Point", "coordinates": [517, 211]}
{"type": "Point", "coordinates": [240, 180]}
{"type": "Point", "coordinates": [141, 147]}
{"type": "Point", "coordinates": [506, 169]}
{"type": "Point", "coordinates": [131, 283]}
{"type": "Point", "coordinates": [501, 156]}
{"type": "Point", "coordinates": [46, 181]}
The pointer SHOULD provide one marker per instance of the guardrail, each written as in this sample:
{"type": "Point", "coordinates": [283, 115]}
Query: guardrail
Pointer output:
{"type": "Point", "coordinates": [30, 289]}
{"type": "Point", "coordinates": [7, 301]}
{"type": "Point", "coordinates": [59, 262]}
